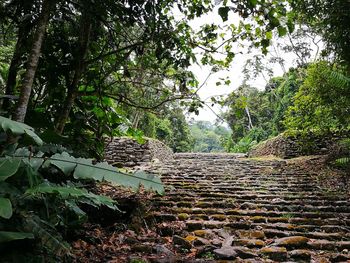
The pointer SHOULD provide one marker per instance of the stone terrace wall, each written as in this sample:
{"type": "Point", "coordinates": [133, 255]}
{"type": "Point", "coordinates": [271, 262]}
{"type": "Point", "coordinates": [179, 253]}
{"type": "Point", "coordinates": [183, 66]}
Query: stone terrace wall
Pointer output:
{"type": "Point", "coordinates": [126, 152]}
{"type": "Point", "coordinates": [287, 146]}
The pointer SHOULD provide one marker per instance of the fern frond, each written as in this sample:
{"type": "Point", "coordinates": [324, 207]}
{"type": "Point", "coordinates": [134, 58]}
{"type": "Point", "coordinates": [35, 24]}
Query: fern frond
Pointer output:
{"type": "Point", "coordinates": [41, 230]}
{"type": "Point", "coordinates": [339, 79]}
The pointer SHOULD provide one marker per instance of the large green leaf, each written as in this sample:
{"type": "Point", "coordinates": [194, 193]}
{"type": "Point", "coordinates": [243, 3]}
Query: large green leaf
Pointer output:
{"type": "Point", "coordinates": [67, 192]}
{"type": "Point", "coordinates": [223, 12]}
{"type": "Point", "coordinates": [85, 169]}
{"type": "Point", "coordinates": [5, 208]}
{"type": "Point", "coordinates": [63, 161]}
{"type": "Point", "coordinates": [47, 234]}
{"type": "Point", "coordinates": [8, 167]}
{"type": "Point", "coordinates": [105, 172]}
{"type": "Point", "coordinates": [11, 236]}
{"type": "Point", "coordinates": [35, 163]}
{"type": "Point", "coordinates": [18, 128]}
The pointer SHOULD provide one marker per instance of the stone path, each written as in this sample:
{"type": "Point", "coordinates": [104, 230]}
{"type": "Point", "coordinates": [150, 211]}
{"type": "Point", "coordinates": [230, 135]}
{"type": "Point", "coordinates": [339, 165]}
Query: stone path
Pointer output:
{"type": "Point", "coordinates": [228, 207]}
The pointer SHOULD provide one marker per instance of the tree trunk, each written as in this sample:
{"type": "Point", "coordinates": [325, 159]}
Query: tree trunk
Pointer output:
{"type": "Point", "coordinates": [23, 31]}
{"type": "Point", "coordinates": [84, 37]}
{"type": "Point", "coordinates": [250, 123]}
{"type": "Point", "coordinates": [32, 63]}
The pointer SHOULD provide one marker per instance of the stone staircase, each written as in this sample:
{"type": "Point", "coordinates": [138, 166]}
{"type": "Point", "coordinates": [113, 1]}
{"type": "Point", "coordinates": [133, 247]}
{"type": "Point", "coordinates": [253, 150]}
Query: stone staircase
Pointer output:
{"type": "Point", "coordinates": [227, 207]}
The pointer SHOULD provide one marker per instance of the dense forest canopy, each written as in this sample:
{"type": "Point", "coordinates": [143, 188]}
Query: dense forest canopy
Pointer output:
{"type": "Point", "coordinates": [85, 69]}
{"type": "Point", "coordinates": [75, 72]}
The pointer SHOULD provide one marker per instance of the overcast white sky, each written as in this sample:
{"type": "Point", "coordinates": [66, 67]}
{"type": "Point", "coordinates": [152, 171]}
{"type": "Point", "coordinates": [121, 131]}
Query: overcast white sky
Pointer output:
{"type": "Point", "coordinates": [234, 73]}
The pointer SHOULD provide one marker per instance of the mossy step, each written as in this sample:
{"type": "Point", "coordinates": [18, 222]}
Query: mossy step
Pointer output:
{"type": "Point", "coordinates": [260, 217]}
{"type": "Point", "coordinates": [188, 196]}
{"type": "Point", "coordinates": [263, 214]}
{"type": "Point", "coordinates": [284, 193]}
{"type": "Point", "coordinates": [287, 196]}
{"type": "Point", "coordinates": [272, 233]}
{"type": "Point", "coordinates": [304, 228]}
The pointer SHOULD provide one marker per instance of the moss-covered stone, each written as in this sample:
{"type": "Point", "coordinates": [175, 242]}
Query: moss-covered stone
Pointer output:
{"type": "Point", "coordinates": [277, 220]}
{"type": "Point", "coordinates": [194, 225]}
{"type": "Point", "coordinates": [204, 204]}
{"type": "Point", "coordinates": [183, 216]}
{"type": "Point", "coordinates": [291, 242]}
{"type": "Point", "coordinates": [251, 243]}
{"type": "Point", "coordinates": [256, 234]}
{"type": "Point", "coordinates": [274, 253]}
{"type": "Point", "coordinates": [200, 217]}
{"type": "Point", "coordinates": [184, 204]}
{"type": "Point", "coordinates": [258, 219]}
{"type": "Point", "coordinates": [233, 212]}
{"type": "Point", "coordinates": [219, 217]}
{"type": "Point", "coordinates": [182, 210]}
{"type": "Point", "coordinates": [190, 238]}
{"type": "Point", "coordinates": [201, 233]}
{"type": "Point", "coordinates": [300, 254]}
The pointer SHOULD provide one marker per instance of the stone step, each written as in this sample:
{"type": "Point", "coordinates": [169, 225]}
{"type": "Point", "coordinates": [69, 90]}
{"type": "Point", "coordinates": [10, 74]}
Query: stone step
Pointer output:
{"type": "Point", "coordinates": [239, 202]}
{"type": "Point", "coordinates": [288, 220]}
{"type": "Point", "coordinates": [273, 211]}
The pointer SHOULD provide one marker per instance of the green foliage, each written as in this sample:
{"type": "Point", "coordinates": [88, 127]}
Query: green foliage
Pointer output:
{"type": "Point", "coordinates": [17, 128]}
{"type": "Point", "coordinates": [5, 208]}
{"type": "Point", "coordinates": [255, 115]}
{"type": "Point", "coordinates": [342, 160]}
{"type": "Point", "coordinates": [318, 105]}
{"type": "Point", "coordinates": [6, 236]}
{"type": "Point", "coordinates": [243, 145]}
{"type": "Point", "coordinates": [208, 137]}
{"type": "Point", "coordinates": [169, 126]}
{"type": "Point", "coordinates": [41, 193]}
{"type": "Point", "coordinates": [330, 19]}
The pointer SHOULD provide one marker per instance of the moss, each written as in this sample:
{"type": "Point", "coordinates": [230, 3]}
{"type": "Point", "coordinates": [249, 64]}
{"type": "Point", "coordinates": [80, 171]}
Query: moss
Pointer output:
{"type": "Point", "coordinates": [201, 233]}
{"type": "Point", "coordinates": [204, 204]}
{"type": "Point", "coordinates": [252, 234]}
{"type": "Point", "coordinates": [289, 226]}
{"type": "Point", "coordinates": [295, 241]}
{"type": "Point", "coordinates": [271, 250]}
{"type": "Point", "coordinates": [184, 204]}
{"type": "Point", "coordinates": [191, 186]}
{"type": "Point", "coordinates": [183, 210]}
{"type": "Point", "coordinates": [278, 219]}
{"type": "Point", "coordinates": [201, 217]}
{"type": "Point", "coordinates": [190, 238]}
{"type": "Point", "coordinates": [258, 219]}
{"type": "Point", "coordinates": [250, 243]}
{"type": "Point", "coordinates": [288, 215]}
{"type": "Point", "coordinates": [219, 217]}
{"type": "Point", "coordinates": [234, 218]}
{"type": "Point", "coordinates": [210, 211]}
{"type": "Point", "coordinates": [183, 216]}
{"type": "Point", "coordinates": [233, 212]}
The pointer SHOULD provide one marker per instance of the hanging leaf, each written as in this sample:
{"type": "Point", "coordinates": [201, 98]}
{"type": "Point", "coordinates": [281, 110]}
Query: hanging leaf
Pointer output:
{"type": "Point", "coordinates": [268, 35]}
{"type": "Point", "coordinates": [67, 192]}
{"type": "Point", "coordinates": [42, 230]}
{"type": "Point", "coordinates": [8, 167]}
{"type": "Point", "coordinates": [63, 161]}
{"type": "Point", "coordinates": [35, 163]}
{"type": "Point", "coordinates": [282, 31]}
{"type": "Point", "coordinates": [6, 236]}
{"type": "Point", "coordinates": [18, 128]}
{"type": "Point", "coordinates": [5, 208]}
{"type": "Point", "coordinates": [85, 169]}
{"type": "Point", "coordinates": [223, 12]}
{"type": "Point", "coordinates": [106, 172]}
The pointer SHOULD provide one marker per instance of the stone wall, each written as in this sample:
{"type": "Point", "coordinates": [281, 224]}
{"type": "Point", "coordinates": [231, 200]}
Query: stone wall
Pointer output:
{"type": "Point", "coordinates": [290, 146]}
{"type": "Point", "coordinates": [126, 152]}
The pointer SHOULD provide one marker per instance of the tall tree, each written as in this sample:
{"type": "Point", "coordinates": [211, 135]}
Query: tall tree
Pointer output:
{"type": "Point", "coordinates": [32, 62]}
{"type": "Point", "coordinates": [79, 60]}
